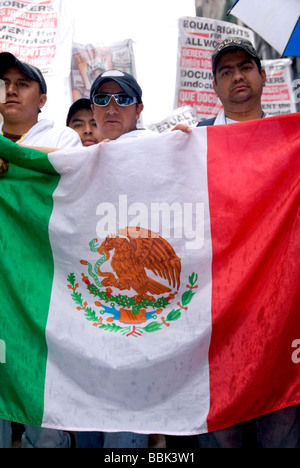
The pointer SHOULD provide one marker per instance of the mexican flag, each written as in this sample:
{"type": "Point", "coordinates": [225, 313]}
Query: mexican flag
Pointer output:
{"type": "Point", "coordinates": [152, 284]}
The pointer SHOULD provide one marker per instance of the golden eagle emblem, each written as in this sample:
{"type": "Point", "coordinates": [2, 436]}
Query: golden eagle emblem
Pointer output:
{"type": "Point", "coordinates": [140, 250]}
{"type": "Point", "coordinates": [142, 261]}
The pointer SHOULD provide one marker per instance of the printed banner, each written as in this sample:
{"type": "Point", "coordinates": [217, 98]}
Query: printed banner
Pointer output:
{"type": "Point", "coordinates": [151, 284]}
{"type": "Point", "coordinates": [182, 115]}
{"type": "Point", "coordinates": [90, 60]}
{"type": "Point", "coordinates": [197, 39]}
{"type": "Point", "coordinates": [40, 32]}
{"type": "Point", "coordinates": [29, 30]}
{"type": "Point", "coordinates": [277, 95]}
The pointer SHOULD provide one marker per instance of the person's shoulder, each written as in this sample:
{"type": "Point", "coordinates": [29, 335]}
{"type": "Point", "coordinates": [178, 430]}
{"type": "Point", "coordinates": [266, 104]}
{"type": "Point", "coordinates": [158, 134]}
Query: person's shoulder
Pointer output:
{"type": "Point", "coordinates": [49, 134]}
{"type": "Point", "coordinates": [67, 137]}
{"type": "Point", "coordinates": [207, 122]}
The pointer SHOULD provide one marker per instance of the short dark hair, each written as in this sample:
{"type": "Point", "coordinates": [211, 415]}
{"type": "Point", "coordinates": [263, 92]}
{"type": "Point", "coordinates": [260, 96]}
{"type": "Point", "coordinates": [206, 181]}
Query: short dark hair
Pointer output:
{"type": "Point", "coordinates": [81, 103]}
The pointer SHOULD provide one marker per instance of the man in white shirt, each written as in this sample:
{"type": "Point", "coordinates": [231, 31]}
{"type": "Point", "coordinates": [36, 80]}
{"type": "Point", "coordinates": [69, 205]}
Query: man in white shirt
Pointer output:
{"type": "Point", "coordinates": [116, 99]}
{"type": "Point", "coordinates": [26, 95]}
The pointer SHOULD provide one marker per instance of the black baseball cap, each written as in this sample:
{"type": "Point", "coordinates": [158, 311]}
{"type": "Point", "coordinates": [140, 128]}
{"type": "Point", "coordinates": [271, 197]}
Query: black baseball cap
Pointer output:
{"type": "Point", "coordinates": [82, 103]}
{"type": "Point", "coordinates": [127, 82]}
{"type": "Point", "coordinates": [8, 60]}
{"type": "Point", "coordinates": [231, 43]}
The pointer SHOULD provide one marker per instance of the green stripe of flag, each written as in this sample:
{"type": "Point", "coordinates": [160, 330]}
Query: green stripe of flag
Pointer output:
{"type": "Point", "coordinates": [26, 189]}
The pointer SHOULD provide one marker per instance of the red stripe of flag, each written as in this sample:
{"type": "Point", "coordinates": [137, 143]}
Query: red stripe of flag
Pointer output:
{"type": "Point", "coordinates": [254, 187]}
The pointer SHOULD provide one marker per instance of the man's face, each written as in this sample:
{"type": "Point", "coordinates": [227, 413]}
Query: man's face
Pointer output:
{"type": "Point", "coordinates": [114, 120]}
{"type": "Point", "coordinates": [23, 97]}
{"type": "Point", "coordinates": [238, 80]}
{"type": "Point", "coordinates": [84, 124]}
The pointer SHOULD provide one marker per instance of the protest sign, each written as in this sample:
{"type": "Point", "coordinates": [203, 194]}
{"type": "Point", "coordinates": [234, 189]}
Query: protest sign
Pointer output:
{"type": "Point", "coordinates": [29, 30]}
{"type": "Point", "coordinates": [197, 39]}
{"type": "Point", "coordinates": [277, 94]}
{"type": "Point", "coordinates": [89, 60]}
{"type": "Point", "coordinates": [39, 32]}
{"type": "Point", "coordinates": [181, 115]}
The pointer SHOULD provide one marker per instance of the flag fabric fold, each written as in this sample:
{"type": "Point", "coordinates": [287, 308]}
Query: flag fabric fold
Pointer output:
{"type": "Point", "coordinates": [152, 285]}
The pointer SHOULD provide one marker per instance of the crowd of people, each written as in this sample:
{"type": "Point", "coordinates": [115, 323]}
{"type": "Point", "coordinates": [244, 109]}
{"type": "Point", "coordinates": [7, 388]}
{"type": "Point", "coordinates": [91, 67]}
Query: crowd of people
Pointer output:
{"type": "Point", "coordinates": [111, 113]}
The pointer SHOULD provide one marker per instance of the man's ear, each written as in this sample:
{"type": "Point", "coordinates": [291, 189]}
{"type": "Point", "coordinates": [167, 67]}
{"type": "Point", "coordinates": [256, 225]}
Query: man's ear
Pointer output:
{"type": "Point", "coordinates": [215, 87]}
{"type": "Point", "coordinates": [139, 109]}
{"type": "Point", "coordinates": [264, 76]}
{"type": "Point", "coordinates": [43, 100]}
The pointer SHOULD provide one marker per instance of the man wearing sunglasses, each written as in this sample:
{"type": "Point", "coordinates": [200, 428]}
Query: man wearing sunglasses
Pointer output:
{"type": "Point", "coordinates": [117, 104]}
{"type": "Point", "coordinates": [116, 101]}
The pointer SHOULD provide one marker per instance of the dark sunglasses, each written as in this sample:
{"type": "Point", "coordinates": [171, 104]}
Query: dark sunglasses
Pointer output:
{"type": "Point", "coordinates": [122, 99]}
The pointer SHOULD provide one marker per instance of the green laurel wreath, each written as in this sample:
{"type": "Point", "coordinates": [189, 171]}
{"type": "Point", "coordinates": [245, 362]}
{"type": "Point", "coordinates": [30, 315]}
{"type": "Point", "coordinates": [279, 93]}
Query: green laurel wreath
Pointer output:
{"type": "Point", "coordinates": [126, 301]}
